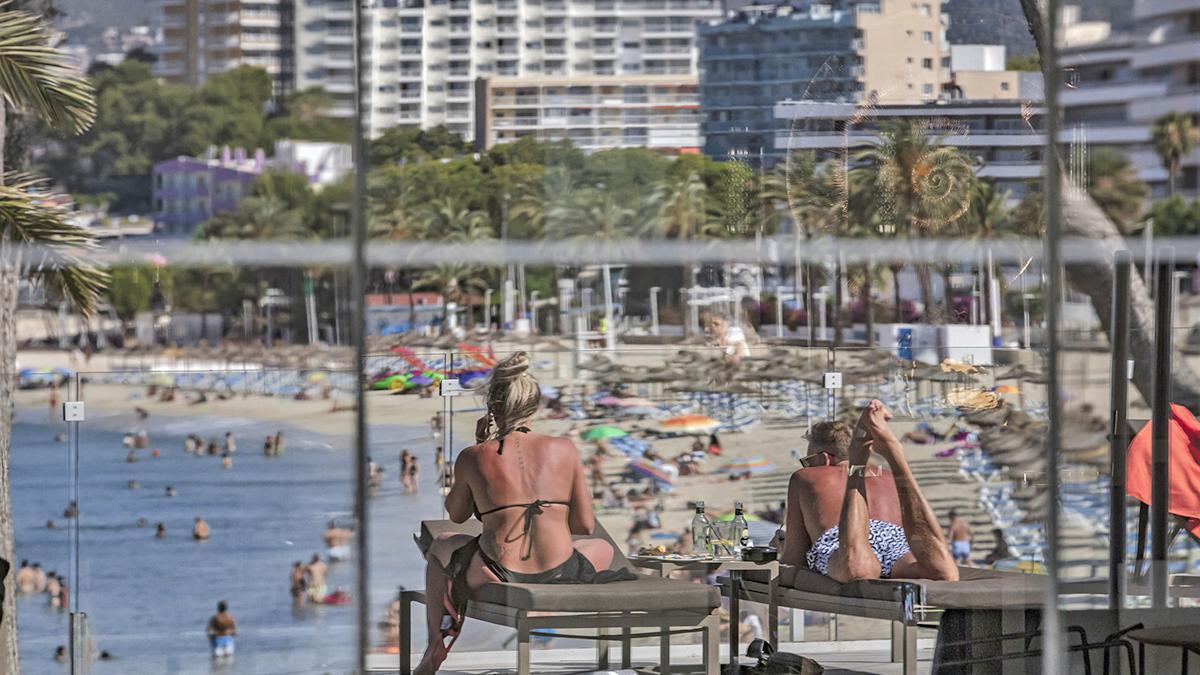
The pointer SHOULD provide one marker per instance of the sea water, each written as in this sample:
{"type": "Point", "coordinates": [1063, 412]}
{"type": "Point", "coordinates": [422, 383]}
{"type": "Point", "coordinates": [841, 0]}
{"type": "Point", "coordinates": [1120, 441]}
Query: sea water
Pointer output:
{"type": "Point", "coordinates": [147, 600]}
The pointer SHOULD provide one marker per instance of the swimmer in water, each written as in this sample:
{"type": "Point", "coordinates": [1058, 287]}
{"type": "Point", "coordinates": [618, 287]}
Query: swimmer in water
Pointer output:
{"type": "Point", "coordinates": [200, 530]}
{"type": "Point", "coordinates": [160, 531]}
{"type": "Point", "coordinates": [170, 491]}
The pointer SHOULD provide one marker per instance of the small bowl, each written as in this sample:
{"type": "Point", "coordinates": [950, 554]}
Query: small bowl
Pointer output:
{"type": "Point", "coordinates": [760, 554]}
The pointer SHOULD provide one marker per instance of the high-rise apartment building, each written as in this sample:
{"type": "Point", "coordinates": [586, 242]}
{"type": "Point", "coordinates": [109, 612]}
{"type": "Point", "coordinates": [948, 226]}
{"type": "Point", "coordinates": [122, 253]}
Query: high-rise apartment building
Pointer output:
{"type": "Point", "coordinates": [892, 50]}
{"type": "Point", "coordinates": [1116, 88]}
{"type": "Point", "coordinates": [425, 55]}
{"type": "Point", "coordinates": [660, 112]}
{"type": "Point", "coordinates": [202, 38]}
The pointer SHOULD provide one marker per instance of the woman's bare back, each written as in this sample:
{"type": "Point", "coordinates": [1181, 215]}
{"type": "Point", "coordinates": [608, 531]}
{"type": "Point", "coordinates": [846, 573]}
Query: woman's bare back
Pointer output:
{"type": "Point", "coordinates": [531, 467]}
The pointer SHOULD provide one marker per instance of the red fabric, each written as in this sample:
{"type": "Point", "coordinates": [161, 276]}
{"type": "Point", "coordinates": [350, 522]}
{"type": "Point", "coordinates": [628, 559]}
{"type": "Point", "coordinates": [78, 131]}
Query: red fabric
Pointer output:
{"type": "Point", "coordinates": [1184, 462]}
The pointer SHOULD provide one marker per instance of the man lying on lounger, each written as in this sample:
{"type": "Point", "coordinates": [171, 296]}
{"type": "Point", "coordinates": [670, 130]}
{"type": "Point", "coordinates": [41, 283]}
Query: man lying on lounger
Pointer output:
{"type": "Point", "coordinates": [850, 521]}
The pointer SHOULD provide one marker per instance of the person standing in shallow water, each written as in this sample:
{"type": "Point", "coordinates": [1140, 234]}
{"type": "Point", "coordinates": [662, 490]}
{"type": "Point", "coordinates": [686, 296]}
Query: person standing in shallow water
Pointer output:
{"type": "Point", "coordinates": [222, 628]}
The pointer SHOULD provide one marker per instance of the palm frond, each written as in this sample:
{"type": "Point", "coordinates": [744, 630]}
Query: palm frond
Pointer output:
{"type": "Point", "coordinates": [58, 244]}
{"type": "Point", "coordinates": [38, 76]}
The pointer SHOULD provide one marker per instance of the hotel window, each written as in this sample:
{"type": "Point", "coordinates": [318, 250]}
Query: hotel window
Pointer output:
{"type": "Point", "coordinates": [927, 37]}
{"type": "Point", "coordinates": [927, 89]}
{"type": "Point", "coordinates": [1003, 86]}
{"type": "Point", "coordinates": [927, 64]}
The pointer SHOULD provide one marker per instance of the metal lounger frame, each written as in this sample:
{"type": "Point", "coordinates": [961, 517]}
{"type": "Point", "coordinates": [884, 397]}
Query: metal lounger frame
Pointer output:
{"type": "Point", "coordinates": [609, 626]}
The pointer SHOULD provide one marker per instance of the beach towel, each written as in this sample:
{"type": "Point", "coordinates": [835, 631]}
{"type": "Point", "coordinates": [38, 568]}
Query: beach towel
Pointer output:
{"type": "Point", "coordinates": [1184, 463]}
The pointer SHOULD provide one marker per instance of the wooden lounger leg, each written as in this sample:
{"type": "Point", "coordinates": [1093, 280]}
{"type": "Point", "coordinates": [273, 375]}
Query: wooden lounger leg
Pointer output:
{"type": "Point", "coordinates": [626, 647]}
{"type": "Point", "coordinates": [904, 646]}
{"type": "Point", "coordinates": [406, 598]}
{"type": "Point", "coordinates": [712, 644]}
{"type": "Point", "coordinates": [523, 666]}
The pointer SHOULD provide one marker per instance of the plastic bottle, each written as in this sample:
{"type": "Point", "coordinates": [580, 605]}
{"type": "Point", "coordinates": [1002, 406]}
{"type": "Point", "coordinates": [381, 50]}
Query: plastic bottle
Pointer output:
{"type": "Point", "coordinates": [702, 545]}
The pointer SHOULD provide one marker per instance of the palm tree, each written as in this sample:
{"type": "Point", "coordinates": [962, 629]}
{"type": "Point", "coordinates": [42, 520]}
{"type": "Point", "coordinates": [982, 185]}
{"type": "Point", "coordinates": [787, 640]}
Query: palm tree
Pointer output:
{"type": "Point", "coordinates": [256, 218]}
{"type": "Point", "coordinates": [918, 186]}
{"type": "Point", "coordinates": [39, 79]}
{"type": "Point", "coordinates": [1113, 183]}
{"type": "Point", "coordinates": [590, 213]}
{"type": "Point", "coordinates": [681, 210]}
{"type": "Point", "coordinates": [1175, 137]}
{"type": "Point", "coordinates": [447, 219]}
{"type": "Point", "coordinates": [988, 219]}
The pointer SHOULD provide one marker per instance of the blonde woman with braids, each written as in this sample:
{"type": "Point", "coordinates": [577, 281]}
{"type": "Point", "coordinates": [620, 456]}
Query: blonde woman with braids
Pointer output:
{"type": "Point", "coordinates": [530, 492]}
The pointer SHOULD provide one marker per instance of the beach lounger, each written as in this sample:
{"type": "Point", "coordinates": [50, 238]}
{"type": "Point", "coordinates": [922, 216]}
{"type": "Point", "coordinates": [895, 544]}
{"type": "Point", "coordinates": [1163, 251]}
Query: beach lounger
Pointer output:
{"type": "Point", "coordinates": [619, 611]}
{"type": "Point", "coordinates": [981, 614]}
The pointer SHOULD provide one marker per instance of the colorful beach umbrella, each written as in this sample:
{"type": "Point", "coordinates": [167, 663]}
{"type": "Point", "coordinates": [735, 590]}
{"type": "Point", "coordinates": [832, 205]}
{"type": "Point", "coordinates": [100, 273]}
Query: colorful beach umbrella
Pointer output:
{"type": "Point", "coordinates": [647, 469]}
{"type": "Point", "coordinates": [754, 464]}
{"type": "Point", "coordinates": [603, 431]}
{"type": "Point", "coordinates": [689, 424]}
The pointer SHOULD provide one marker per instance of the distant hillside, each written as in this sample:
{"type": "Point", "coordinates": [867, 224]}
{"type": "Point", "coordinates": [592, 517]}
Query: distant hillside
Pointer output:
{"type": "Point", "coordinates": [1001, 21]}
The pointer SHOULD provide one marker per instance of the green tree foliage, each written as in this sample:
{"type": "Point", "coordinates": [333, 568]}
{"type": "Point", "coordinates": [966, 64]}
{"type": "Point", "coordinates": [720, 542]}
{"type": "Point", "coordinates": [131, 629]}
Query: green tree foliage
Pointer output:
{"type": "Point", "coordinates": [1175, 137]}
{"type": "Point", "coordinates": [1113, 183]}
{"type": "Point", "coordinates": [1026, 62]}
{"type": "Point", "coordinates": [1175, 217]}
{"type": "Point", "coordinates": [400, 145]}
{"type": "Point", "coordinates": [141, 121]}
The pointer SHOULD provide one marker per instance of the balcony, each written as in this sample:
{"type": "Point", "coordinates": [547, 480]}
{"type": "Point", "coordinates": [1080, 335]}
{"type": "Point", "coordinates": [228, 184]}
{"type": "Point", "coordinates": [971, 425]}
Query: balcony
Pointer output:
{"type": "Point", "coordinates": [1181, 51]}
{"type": "Point", "coordinates": [1148, 9]}
{"type": "Point", "coordinates": [1095, 93]}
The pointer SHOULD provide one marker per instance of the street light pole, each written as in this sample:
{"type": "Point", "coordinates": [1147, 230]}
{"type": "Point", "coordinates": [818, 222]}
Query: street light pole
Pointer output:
{"type": "Point", "coordinates": [654, 309]}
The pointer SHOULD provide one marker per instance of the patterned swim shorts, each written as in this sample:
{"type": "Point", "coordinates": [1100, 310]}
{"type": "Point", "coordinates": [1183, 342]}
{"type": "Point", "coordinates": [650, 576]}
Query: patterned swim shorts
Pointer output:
{"type": "Point", "coordinates": [886, 539]}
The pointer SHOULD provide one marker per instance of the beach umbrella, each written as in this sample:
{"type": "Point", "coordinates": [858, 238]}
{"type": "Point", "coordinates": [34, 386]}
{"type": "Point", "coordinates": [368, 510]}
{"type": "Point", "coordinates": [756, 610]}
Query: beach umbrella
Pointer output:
{"type": "Point", "coordinates": [647, 469]}
{"type": "Point", "coordinates": [756, 464]}
{"type": "Point", "coordinates": [317, 376]}
{"type": "Point", "coordinates": [602, 432]}
{"type": "Point", "coordinates": [421, 380]}
{"type": "Point", "coordinates": [688, 424]}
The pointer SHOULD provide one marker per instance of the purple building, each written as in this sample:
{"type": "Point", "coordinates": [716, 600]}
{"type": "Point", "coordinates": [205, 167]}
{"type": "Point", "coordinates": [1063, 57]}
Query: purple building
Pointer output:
{"type": "Point", "coordinates": [189, 190]}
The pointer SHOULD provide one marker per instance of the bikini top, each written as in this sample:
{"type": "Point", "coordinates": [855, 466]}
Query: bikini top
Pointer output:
{"type": "Point", "coordinates": [532, 510]}
{"type": "Point", "coordinates": [500, 449]}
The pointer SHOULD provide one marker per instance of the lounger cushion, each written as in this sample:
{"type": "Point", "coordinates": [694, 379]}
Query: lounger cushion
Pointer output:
{"type": "Point", "coordinates": [647, 594]}
{"type": "Point", "coordinates": [976, 588]}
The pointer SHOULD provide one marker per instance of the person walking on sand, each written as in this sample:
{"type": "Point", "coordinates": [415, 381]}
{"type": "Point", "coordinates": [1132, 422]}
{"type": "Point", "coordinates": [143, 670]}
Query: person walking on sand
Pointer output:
{"type": "Point", "coordinates": [222, 628]}
{"type": "Point", "coordinates": [200, 530]}
{"type": "Point", "coordinates": [316, 579]}
{"type": "Point", "coordinates": [960, 539]}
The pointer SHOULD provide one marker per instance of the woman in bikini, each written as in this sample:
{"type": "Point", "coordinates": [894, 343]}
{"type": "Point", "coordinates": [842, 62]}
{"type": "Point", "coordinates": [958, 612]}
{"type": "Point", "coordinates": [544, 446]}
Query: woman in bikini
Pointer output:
{"type": "Point", "coordinates": [530, 492]}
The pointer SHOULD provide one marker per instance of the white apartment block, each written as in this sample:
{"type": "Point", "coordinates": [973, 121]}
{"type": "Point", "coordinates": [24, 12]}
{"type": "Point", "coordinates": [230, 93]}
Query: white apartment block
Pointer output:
{"type": "Point", "coordinates": [1004, 138]}
{"type": "Point", "coordinates": [660, 112]}
{"type": "Point", "coordinates": [1115, 89]}
{"type": "Point", "coordinates": [425, 55]}
{"type": "Point", "coordinates": [202, 38]}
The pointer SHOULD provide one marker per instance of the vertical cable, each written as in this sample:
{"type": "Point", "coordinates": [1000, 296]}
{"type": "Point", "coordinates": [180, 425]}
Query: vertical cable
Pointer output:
{"type": "Point", "coordinates": [1119, 438]}
{"type": "Point", "coordinates": [1160, 415]}
{"type": "Point", "coordinates": [1053, 653]}
{"type": "Point", "coordinates": [358, 273]}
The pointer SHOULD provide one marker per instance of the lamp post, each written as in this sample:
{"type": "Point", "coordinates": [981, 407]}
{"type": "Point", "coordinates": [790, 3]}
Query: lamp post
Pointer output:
{"type": "Point", "coordinates": [487, 308]}
{"type": "Point", "coordinates": [654, 309]}
{"type": "Point", "coordinates": [533, 298]}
